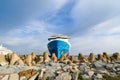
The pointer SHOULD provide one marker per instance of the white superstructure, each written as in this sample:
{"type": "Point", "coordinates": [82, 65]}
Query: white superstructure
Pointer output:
{"type": "Point", "coordinates": [60, 37]}
{"type": "Point", "coordinates": [4, 50]}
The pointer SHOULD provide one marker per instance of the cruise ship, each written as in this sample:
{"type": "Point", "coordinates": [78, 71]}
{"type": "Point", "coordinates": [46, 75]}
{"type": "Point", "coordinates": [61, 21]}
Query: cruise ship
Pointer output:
{"type": "Point", "coordinates": [59, 45]}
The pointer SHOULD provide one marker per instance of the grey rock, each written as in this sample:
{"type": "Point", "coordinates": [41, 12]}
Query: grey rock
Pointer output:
{"type": "Point", "coordinates": [74, 75]}
{"type": "Point", "coordinates": [99, 64]}
{"type": "Point", "coordinates": [84, 68]}
{"type": "Point", "coordinates": [98, 76]}
{"type": "Point", "coordinates": [63, 76]}
{"type": "Point", "coordinates": [49, 73]}
{"type": "Point", "coordinates": [118, 61]}
{"type": "Point", "coordinates": [90, 73]}
{"type": "Point", "coordinates": [109, 66]}
{"type": "Point", "coordinates": [66, 67]}
{"type": "Point", "coordinates": [113, 74]}
{"type": "Point", "coordinates": [103, 71]}
{"type": "Point", "coordinates": [118, 72]}
{"type": "Point", "coordinates": [85, 76]}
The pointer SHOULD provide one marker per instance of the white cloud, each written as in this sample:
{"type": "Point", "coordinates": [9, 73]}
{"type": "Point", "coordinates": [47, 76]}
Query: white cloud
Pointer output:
{"type": "Point", "coordinates": [108, 27]}
{"type": "Point", "coordinates": [96, 45]}
{"type": "Point", "coordinates": [87, 13]}
{"type": "Point", "coordinates": [28, 38]}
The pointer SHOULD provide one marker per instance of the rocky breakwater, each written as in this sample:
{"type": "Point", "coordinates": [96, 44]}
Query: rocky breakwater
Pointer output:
{"type": "Point", "coordinates": [43, 67]}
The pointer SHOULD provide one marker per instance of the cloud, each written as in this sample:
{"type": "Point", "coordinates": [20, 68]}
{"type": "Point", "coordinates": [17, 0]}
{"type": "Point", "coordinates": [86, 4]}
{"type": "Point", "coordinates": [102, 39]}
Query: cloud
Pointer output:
{"type": "Point", "coordinates": [28, 38]}
{"type": "Point", "coordinates": [86, 13]}
{"type": "Point", "coordinates": [92, 25]}
{"type": "Point", "coordinates": [17, 13]}
{"type": "Point", "coordinates": [88, 44]}
{"type": "Point", "coordinates": [107, 28]}
{"type": "Point", "coordinates": [96, 27]}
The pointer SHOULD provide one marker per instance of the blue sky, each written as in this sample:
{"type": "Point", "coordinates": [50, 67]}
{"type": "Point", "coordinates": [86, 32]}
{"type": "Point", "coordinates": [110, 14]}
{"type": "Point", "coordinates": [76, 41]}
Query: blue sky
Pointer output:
{"type": "Point", "coordinates": [93, 25]}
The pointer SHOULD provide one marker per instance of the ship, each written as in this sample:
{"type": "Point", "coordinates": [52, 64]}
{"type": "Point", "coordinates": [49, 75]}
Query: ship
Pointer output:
{"type": "Point", "coordinates": [59, 45]}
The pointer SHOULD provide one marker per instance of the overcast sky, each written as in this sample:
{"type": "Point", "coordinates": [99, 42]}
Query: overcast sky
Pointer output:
{"type": "Point", "coordinates": [93, 25]}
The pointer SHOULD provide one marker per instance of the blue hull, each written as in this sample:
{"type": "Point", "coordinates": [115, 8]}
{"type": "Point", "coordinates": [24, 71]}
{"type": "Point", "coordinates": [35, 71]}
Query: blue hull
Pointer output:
{"type": "Point", "coordinates": [58, 47]}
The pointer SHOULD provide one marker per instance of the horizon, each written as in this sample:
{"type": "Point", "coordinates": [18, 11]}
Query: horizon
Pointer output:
{"type": "Point", "coordinates": [93, 26]}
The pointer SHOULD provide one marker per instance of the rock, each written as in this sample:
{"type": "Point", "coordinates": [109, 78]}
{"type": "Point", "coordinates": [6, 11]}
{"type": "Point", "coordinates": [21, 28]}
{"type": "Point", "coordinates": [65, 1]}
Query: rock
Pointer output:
{"type": "Point", "coordinates": [98, 76]}
{"type": "Point", "coordinates": [54, 58]}
{"type": "Point", "coordinates": [100, 57]}
{"type": "Point", "coordinates": [14, 76]}
{"type": "Point", "coordinates": [118, 61]}
{"type": "Point", "coordinates": [72, 58]}
{"type": "Point", "coordinates": [33, 55]}
{"type": "Point", "coordinates": [20, 62]}
{"type": "Point", "coordinates": [91, 58]}
{"type": "Point", "coordinates": [84, 68]}
{"type": "Point", "coordinates": [99, 64]}
{"type": "Point", "coordinates": [90, 73]}
{"type": "Point", "coordinates": [105, 57]}
{"type": "Point", "coordinates": [85, 76]}
{"type": "Point", "coordinates": [66, 68]}
{"type": "Point", "coordinates": [73, 70]}
{"type": "Point", "coordinates": [28, 60]}
{"type": "Point", "coordinates": [46, 57]}
{"type": "Point", "coordinates": [6, 77]}
{"type": "Point", "coordinates": [23, 78]}
{"type": "Point", "coordinates": [75, 76]}
{"type": "Point", "coordinates": [109, 66]}
{"type": "Point", "coordinates": [40, 76]}
{"type": "Point", "coordinates": [3, 60]}
{"type": "Point", "coordinates": [40, 60]}
{"type": "Point", "coordinates": [33, 58]}
{"type": "Point", "coordinates": [9, 56]}
{"type": "Point", "coordinates": [16, 59]}
{"type": "Point", "coordinates": [116, 56]}
{"type": "Point", "coordinates": [103, 72]}
{"type": "Point", "coordinates": [34, 76]}
{"type": "Point", "coordinates": [63, 76]}
{"type": "Point", "coordinates": [3, 63]}
{"type": "Point", "coordinates": [113, 74]}
{"type": "Point", "coordinates": [28, 73]}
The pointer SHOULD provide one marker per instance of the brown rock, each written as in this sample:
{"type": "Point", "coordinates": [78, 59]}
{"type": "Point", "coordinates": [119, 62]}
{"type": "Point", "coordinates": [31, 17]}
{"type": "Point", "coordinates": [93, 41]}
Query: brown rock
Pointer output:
{"type": "Point", "coordinates": [15, 59]}
{"type": "Point", "coordinates": [9, 56]}
{"type": "Point", "coordinates": [40, 59]}
{"type": "Point", "coordinates": [2, 58]}
{"type": "Point", "coordinates": [105, 55]}
{"type": "Point", "coordinates": [116, 56]}
{"type": "Point", "coordinates": [46, 57]}
{"type": "Point", "coordinates": [33, 55]}
{"type": "Point", "coordinates": [54, 58]}
{"type": "Point", "coordinates": [100, 57]}
{"type": "Point", "coordinates": [72, 58]}
{"type": "Point", "coordinates": [91, 58]}
{"type": "Point", "coordinates": [20, 62]}
{"type": "Point", "coordinates": [28, 73]}
{"type": "Point", "coordinates": [28, 60]}
{"type": "Point", "coordinates": [81, 58]}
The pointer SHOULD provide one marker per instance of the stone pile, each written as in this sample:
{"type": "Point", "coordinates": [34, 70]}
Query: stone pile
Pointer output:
{"type": "Point", "coordinates": [43, 67]}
